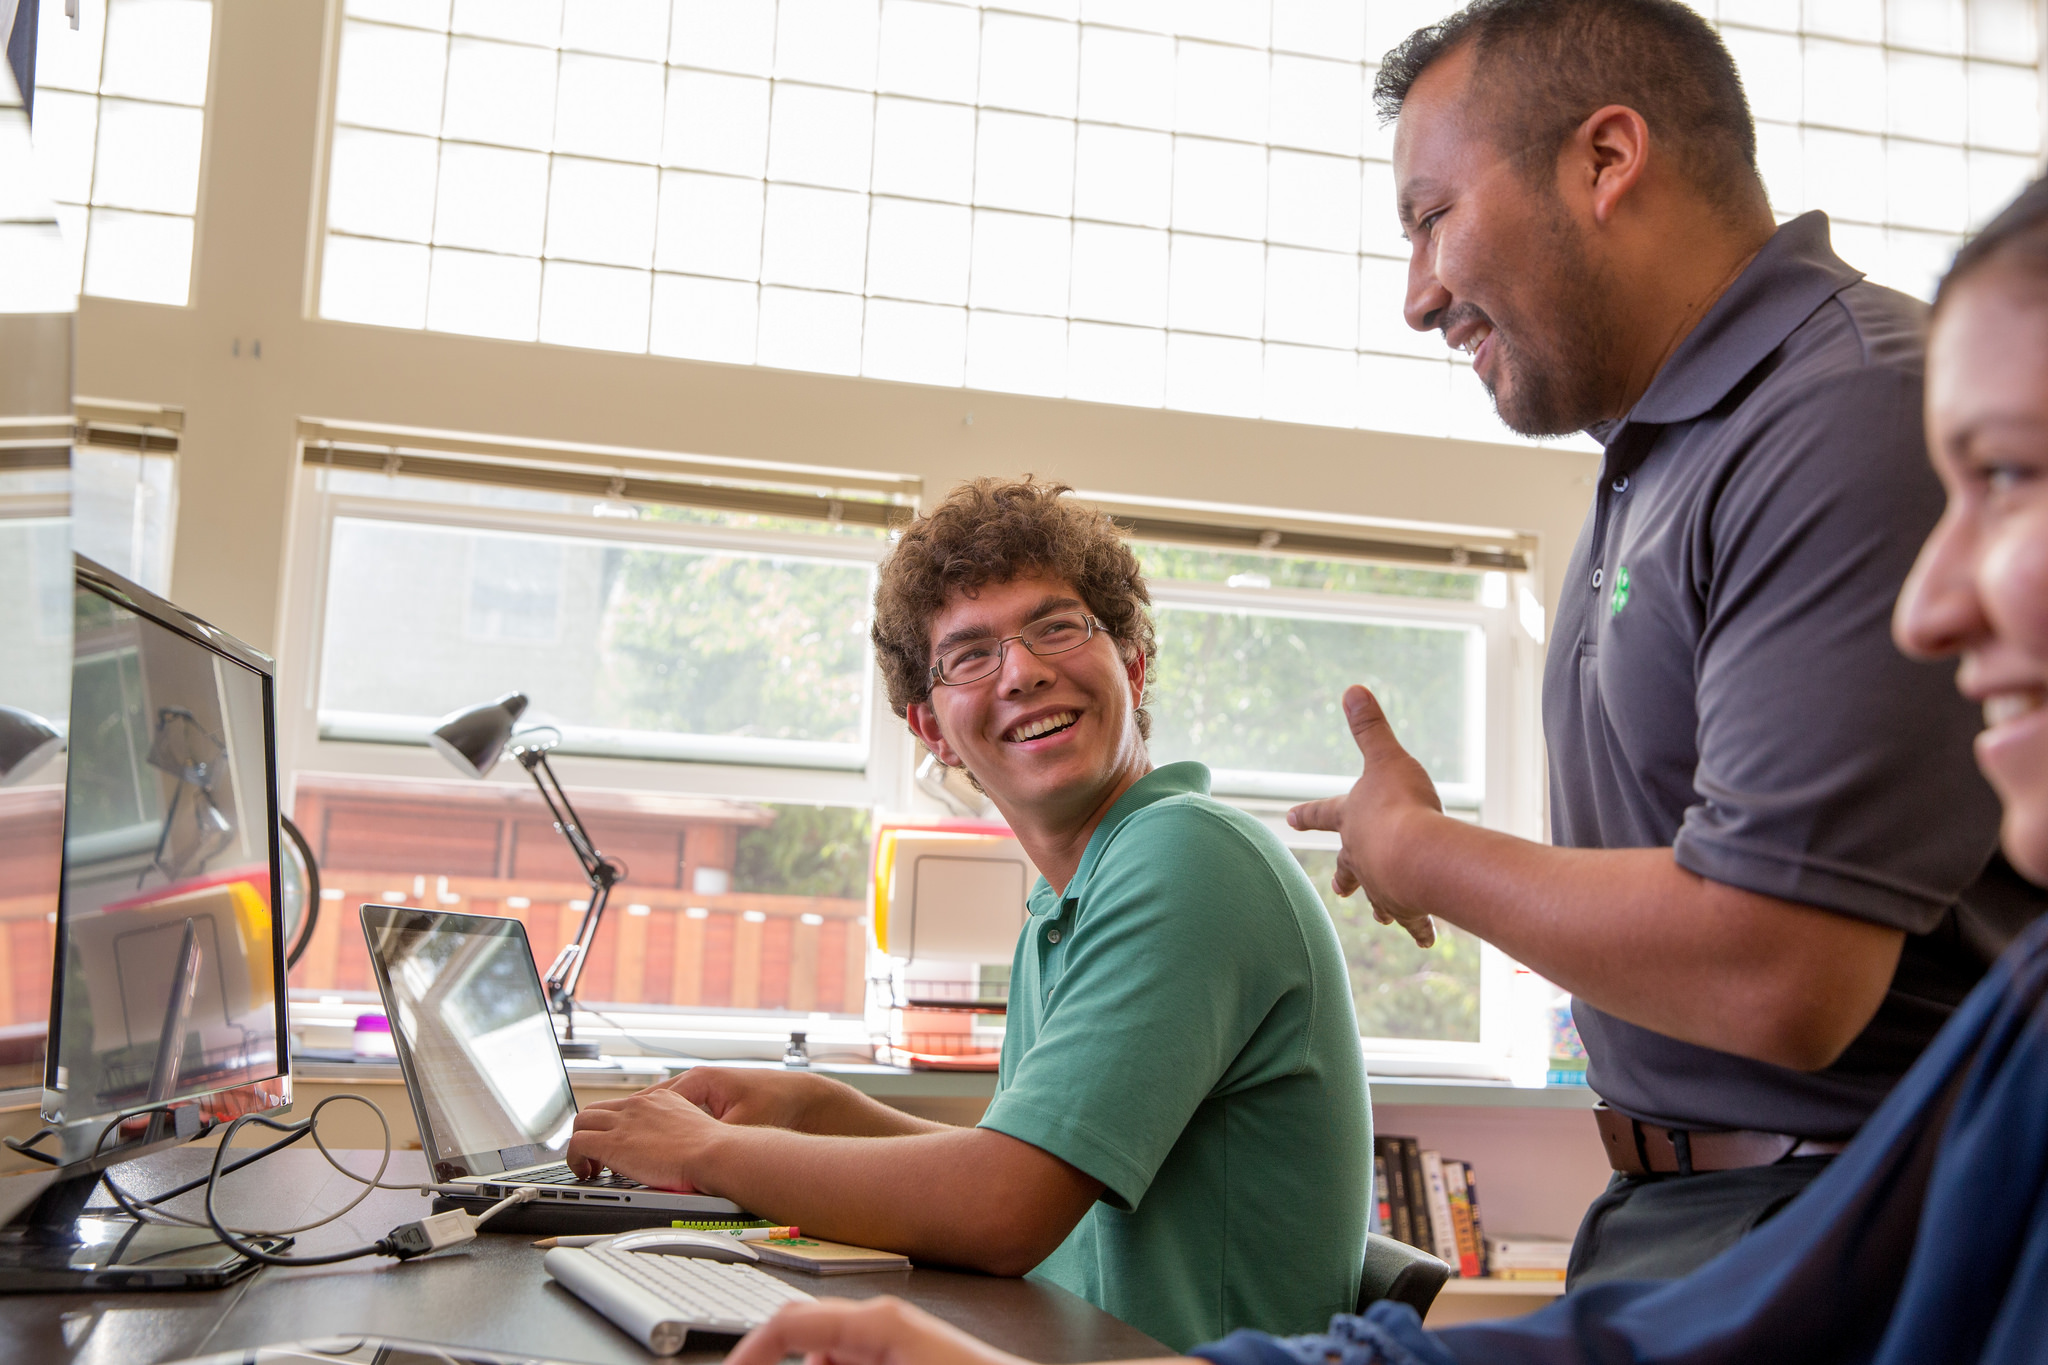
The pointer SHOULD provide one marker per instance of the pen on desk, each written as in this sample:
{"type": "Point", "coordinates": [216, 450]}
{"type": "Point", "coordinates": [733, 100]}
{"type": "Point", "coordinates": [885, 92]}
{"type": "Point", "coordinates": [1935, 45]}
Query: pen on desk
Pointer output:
{"type": "Point", "coordinates": [580, 1240]}
{"type": "Point", "coordinates": [788, 1234]}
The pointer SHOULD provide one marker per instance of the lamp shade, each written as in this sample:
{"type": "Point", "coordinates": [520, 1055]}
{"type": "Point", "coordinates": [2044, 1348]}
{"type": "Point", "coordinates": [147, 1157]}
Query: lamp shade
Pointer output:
{"type": "Point", "coordinates": [27, 741]}
{"type": "Point", "coordinates": [473, 739]}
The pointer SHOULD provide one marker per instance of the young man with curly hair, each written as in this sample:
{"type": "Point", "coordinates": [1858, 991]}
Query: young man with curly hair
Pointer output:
{"type": "Point", "coordinates": [1180, 1132]}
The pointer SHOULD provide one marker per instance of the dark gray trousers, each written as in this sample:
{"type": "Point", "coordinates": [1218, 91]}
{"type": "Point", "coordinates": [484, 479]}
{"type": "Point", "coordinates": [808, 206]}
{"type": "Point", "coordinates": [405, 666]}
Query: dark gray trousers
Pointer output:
{"type": "Point", "coordinates": [1659, 1227]}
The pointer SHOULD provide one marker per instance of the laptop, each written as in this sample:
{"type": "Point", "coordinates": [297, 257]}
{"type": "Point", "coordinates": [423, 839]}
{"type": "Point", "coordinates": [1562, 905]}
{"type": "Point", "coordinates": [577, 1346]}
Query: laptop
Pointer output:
{"type": "Point", "coordinates": [477, 1045]}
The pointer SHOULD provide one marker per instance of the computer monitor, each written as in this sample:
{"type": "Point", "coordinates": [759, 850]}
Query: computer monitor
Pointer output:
{"type": "Point", "coordinates": [167, 1005]}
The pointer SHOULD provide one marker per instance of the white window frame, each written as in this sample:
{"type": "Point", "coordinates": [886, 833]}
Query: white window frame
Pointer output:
{"type": "Point", "coordinates": [766, 775]}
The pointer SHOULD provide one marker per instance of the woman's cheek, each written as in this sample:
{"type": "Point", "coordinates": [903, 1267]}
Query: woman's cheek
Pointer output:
{"type": "Point", "coordinates": [2013, 580]}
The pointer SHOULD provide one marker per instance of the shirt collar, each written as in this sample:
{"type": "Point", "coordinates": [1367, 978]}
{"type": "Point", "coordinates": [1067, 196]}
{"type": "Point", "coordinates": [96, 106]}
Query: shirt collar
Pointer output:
{"type": "Point", "coordinates": [1794, 274]}
{"type": "Point", "coordinates": [1175, 779]}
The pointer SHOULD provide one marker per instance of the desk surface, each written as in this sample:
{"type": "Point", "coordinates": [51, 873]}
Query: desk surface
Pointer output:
{"type": "Point", "coordinates": [491, 1293]}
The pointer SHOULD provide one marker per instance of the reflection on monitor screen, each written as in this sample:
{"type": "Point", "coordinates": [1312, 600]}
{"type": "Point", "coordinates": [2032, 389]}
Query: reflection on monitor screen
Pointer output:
{"type": "Point", "coordinates": [169, 986]}
{"type": "Point", "coordinates": [467, 1008]}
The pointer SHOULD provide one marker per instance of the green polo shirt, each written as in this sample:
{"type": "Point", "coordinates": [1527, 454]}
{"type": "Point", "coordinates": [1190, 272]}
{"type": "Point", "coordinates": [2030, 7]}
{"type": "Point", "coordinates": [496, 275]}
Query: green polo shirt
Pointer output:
{"type": "Point", "coordinates": [1181, 1029]}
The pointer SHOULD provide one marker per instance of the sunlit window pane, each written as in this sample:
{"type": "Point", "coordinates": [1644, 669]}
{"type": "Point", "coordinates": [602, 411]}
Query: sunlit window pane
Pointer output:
{"type": "Point", "coordinates": [1772, 74]}
{"type": "Point", "coordinates": [814, 238]}
{"type": "Point", "coordinates": [491, 198]}
{"type": "Point", "coordinates": [918, 343]}
{"type": "Point", "coordinates": [413, 13]}
{"type": "Point", "coordinates": [500, 93]}
{"type": "Point", "coordinates": [1994, 179]}
{"type": "Point", "coordinates": [142, 256]}
{"type": "Point", "coordinates": [1219, 187]}
{"type": "Point", "coordinates": [1247, 22]}
{"type": "Point", "coordinates": [716, 122]}
{"type": "Point", "coordinates": [929, 49]}
{"type": "Point", "coordinates": [1387, 22]}
{"type": "Point", "coordinates": [1314, 201]}
{"type": "Point", "coordinates": [724, 35]}
{"type": "Point", "coordinates": [65, 127]}
{"type": "Point", "coordinates": [1472, 417]}
{"type": "Point", "coordinates": [1382, 324]}
{"type": "Point", "coordinates": [1123, 175]}
{"type": "Point", "coordinates": [919, 251]}
{"type": "Point", "coordinates": [1403, 395]}
{"type": "Point", "coordinates": [924, 150]}
{"type": "Point", "coordinates": [1119, 274]}
{"type": "Point", "coordinates": [1379, 225]}
{"type": "Point", "coordinates": [1312, 297]}
{"type": "Point", "coordinates": [1028, 64]}
{"type": "Point", "coordinates": [2005, 29]}
{"type": "Point", "coordinates": [619, 28]}
{"type": "Point", "coordinates": [805, 330]}
{"type": "Point", "coordinates": [384, 283]}
{"type": "Point", "coordinates": [2005, 109]}
{"type": "Point", "coordinates": [1217, 285]}
{"type": "Point", "coordinates": [1927, 187]}
{"type": "Point", "coordinates": [157, 50]}
{"type": "Point", "coordinates": [1221, 91]}
{"type": "Point", "coordinates": [1011, 354]}
{"type": "Point", "coordinates": [1020, 263]}
{"type": "Point", "coordinates": [1116, 364]}
{"type": "Point", "coordinates": [1935, 25]}
{"type": "Point", "coordinates": [1318, 105]}
{"type": "Point", "coordinates": [820, 137]}
{"type": "Point", "coordinates": [1845, 85]}
{"type": "Point", "coordinates": [1127, 77]}
{"type": "Point", "coordinates": [68, 58]}
{"type": "Point", "coordinates": [518, 21]}
{"type": "Point", "coordinates": [704, 319]}
{"type": "Point", "coordinates": [1321, 28]}
{"type": "Point", "coordinates": [1214, 374]}
{"type": "Point", "coordinates": [1024, 162]}
{"type": "Point", "coordinates": [594, 305]}
{"type": "Point", "coordinates": [1781, 158]}
{"type": "Point", "coordinates": [607, 107]}
{"type": "Point", "coordinates": [1929, 97]}
{"type": "Point", "coordinates": [1856, 19]}
{"type": "Point", "coordinates": [148, 156]}
{"type": "Point", "coordinates": [601, 211]}
{"type": "Point", "coordinates": [382, 184]}
{"type": "Point", "coordinates": [484, 295]}
{"type": "Point", "coordinates": [1845, 171]}
{"type": "Point", "coordinates": [390, 78]}
{"type": "Point", "coordinates": [828, 41]}
{"type": "Point", "coordinates": [710, 225]}
{"type": "Point", "coordinates": [1306, 384]}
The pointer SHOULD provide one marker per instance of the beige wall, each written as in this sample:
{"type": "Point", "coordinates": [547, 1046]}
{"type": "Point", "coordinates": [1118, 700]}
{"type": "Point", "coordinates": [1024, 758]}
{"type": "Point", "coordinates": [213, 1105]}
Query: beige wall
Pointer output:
{"type": "Point", "coordinates": [255, 254]}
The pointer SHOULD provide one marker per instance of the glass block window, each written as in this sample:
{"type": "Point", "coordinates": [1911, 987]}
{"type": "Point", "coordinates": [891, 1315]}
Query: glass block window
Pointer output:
{"type": "Point", "coordinates": [1184, 205]}
{"type": "Point", "coordinates": [1909, 121]}
{"type": "Point", "coordinates": [120, 117]}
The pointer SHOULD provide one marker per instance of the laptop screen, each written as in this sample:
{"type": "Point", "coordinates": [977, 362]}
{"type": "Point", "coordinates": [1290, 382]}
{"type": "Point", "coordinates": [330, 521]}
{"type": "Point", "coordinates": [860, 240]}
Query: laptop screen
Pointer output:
{"type": "Point", "coordinates": [474, 1034]}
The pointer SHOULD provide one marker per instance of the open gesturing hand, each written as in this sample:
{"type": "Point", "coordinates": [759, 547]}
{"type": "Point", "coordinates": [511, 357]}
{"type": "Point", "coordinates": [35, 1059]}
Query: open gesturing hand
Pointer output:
{"type": "Point", "coordinates": [1373, 817]}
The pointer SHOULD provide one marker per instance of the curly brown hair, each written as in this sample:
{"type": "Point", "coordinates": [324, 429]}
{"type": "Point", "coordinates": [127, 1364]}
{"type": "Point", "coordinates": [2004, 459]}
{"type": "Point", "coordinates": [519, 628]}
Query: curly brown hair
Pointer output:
{"type": "Point", "coordinates": [992, 531]}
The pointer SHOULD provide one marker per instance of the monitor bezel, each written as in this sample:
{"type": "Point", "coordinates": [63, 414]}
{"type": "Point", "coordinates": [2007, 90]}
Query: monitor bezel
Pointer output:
{"type": "Point", "coordinates": [78, 1146]}
{"type": "Point", "coordinates": [495, 1162]}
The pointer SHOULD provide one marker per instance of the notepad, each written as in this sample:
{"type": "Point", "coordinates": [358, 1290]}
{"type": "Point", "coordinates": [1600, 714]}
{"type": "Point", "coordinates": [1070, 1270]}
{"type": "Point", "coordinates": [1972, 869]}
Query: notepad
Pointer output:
{"type": "Point", "coordinates": [826, 1258]}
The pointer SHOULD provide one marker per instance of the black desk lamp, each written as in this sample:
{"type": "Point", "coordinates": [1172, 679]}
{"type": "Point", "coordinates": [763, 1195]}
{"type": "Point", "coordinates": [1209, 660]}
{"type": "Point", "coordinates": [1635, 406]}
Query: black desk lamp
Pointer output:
{"type": "Point", "coordinates": [27, 741]}
{"type": "Point", "coordinates": [473, 740]}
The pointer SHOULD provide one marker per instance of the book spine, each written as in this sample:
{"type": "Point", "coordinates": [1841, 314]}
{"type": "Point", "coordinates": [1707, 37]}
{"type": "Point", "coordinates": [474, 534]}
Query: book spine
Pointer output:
{"type": "Point", "coordinates": [1418, 1197]}
{"type": "Point", "coordinates": [1443, 1237]}
{"type": "Point", "coordinates": [1401, 1226]}
{"type": "Point", "coordinates": [1461, 1219]}
{"type": "Point", "coordinates": [1383, 1213]}
{"type": "Point", "coordinates": [1478, 1223]}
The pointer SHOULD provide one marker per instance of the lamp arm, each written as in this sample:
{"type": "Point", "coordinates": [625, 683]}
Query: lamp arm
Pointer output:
{"type": "Point", "coordinates": [601, 872]}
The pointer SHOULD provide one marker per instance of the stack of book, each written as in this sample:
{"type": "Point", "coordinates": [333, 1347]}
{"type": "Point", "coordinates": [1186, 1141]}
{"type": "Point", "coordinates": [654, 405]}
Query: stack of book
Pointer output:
{"type": "Point", "coordinates": [1528, 1258]}
{"type": "Point", "coordinates": [1430, 1202]}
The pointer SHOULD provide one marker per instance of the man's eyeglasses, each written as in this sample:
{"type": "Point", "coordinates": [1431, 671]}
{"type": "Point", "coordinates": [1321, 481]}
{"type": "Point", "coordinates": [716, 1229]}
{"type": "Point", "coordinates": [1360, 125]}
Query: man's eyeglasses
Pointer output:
{"type": "Point", "coordinates": [972, 660]}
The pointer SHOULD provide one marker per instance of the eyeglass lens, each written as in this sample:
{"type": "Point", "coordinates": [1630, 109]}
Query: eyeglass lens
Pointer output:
{"type": "Point", "coordinates": [973, 660]}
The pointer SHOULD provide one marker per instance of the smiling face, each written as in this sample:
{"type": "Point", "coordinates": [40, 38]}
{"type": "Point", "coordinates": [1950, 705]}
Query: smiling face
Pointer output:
{"type": "Point", "coordinates": [1980, 588]}
{"type": "Point", "coordinates": [1496, 262]}
{"type": "Point", "coordinates": [1052, 739]}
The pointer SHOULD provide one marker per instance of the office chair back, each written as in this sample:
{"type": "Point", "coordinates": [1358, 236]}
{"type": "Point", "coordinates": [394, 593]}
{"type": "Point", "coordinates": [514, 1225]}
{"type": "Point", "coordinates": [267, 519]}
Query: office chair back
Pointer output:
{"type": "Point", "coordinates": [1394, 1270]}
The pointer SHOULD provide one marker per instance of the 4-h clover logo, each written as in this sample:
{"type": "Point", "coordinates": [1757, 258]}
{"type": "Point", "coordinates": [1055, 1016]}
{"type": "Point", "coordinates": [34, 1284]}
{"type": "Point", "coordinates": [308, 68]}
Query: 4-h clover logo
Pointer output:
{"type": "Point", "coordinates": [1620, 598]}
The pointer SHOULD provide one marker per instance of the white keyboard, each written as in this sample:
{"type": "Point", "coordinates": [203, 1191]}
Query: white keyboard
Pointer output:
{"type": "Point", "coordinates": [660, 1299]}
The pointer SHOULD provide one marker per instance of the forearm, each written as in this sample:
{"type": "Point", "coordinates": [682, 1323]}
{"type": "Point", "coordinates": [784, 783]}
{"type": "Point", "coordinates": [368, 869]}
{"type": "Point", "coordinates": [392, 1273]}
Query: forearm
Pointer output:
{"type": "Point", "coordinates": [836, 1108]}
{"type": "Point", "coordinates": [933, 1196]}
{"type": "Point", "coordinates": [1633, 933]}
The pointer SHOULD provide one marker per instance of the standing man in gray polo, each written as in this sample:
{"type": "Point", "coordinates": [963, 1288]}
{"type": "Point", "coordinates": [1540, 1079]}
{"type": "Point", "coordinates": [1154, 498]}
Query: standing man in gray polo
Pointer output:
{"type": "Point", "coordinates": [1775, 869]}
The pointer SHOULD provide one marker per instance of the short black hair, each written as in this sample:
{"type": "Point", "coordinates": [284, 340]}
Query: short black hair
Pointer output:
{"type": "Point", "coordinates": [1548, 64]}
{"type": "Point", "coordinates": [2017, 236]}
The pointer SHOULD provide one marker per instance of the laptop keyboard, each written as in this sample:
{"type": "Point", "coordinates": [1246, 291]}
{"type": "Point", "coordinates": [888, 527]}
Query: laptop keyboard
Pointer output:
{"type": "Point", "coordinates": [562, 1175]}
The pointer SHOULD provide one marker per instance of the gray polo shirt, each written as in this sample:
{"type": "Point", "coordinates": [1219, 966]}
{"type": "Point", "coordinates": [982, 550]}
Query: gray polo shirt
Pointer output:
{"type": "Point", "coordinates": [1722, 680]}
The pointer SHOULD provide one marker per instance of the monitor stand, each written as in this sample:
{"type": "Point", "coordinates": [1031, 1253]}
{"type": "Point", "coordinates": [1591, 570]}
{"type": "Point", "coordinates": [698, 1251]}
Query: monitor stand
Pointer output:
{"type": "Point", "coordinates": [58, 1244]}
